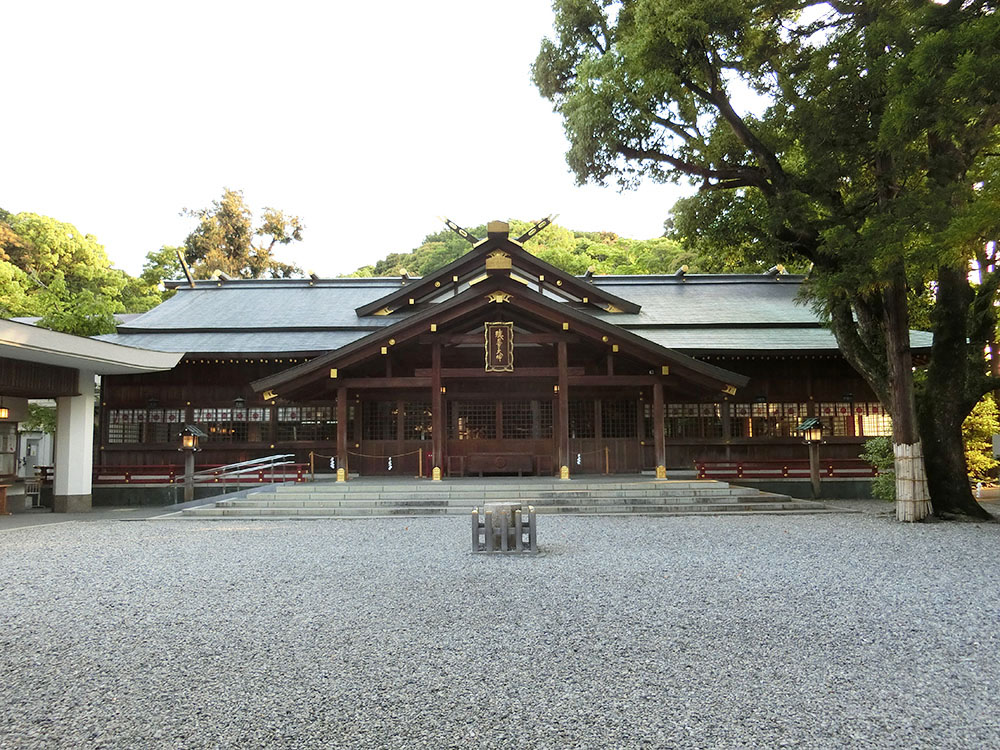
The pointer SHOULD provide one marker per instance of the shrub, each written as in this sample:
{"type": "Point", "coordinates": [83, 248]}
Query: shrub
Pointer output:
{"type": "Point", "coordinates": [878, 452]}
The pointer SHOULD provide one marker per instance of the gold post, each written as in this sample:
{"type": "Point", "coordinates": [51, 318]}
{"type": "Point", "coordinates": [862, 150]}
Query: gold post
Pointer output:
{"type": "Point", "coordinates": [312, 466]}
{"type": "Point", "coordinates": [607, 461]}
{"type": "Point", "coordinates": [341, 475]}
{"type": "Point", "coordinates": [420, 464]}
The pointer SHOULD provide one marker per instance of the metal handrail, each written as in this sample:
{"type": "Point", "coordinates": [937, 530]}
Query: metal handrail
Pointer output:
{"type": "Point", "coordinates": [254, 464]}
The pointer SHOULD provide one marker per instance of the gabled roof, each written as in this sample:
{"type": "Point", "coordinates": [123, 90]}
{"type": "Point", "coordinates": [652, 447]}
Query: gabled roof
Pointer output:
{"type": "Point", "coordinates": [526, 301]}
{"type": "Point", "coordinates": [498, 252]}
{"type": "Point", "coordinates": [697, 314]}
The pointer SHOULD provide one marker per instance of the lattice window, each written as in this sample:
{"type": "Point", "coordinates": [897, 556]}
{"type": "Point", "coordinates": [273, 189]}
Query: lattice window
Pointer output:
{"type": "Point", "coordinates": [417, 420]}
{"type": "Point", "coordinates": [144, 425]}
{"type": "Point", "coordinates": [225, 424]}
{"type": "Point", "coordinates": [518, 420]}
{"type": "Point", "coordinates": [693, 421]}
{"type": "Point", "coordinates": [872, 420]}
{"type": "Point", "coordinates": [125, 425]}
{"type": "Point", "coordinates": [545, 421]}
{"type": "Point", "coordinates": [836, 418]}
{"type": "Point", "coordinates": [581, 419]}
{"type": "Point", "coordinates": [473, 420]}
{"type": "Point", "coordinates": [766, 420]}
{"type": "Point", "coordinates": [379, 420]}
{"type": "Point", "coordinates": [164, 425]}
{"type": "Point", "coordinates": [306, 422]}
{"type": "Point", "coordinates": [619, 418]}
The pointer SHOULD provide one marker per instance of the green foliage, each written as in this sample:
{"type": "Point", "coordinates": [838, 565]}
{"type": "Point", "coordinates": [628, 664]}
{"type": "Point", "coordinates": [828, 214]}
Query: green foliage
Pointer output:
{"type": "Point", "coordinates": [226, 240]}
{"type": "Point", "coordinates": [878, 453]}
{"type": "Point", "coordinates": [50, 269]}
{"type": "Point", "coordinates": [872, 156]}
{"type": "Point", "coordinates": [573, 252]}
{"type": "Point", "coordinates": [978, 431]}
{"type": "Point", "coordinates": [161, 265]}
{"type": "Point", "coordinates": [40, 419]}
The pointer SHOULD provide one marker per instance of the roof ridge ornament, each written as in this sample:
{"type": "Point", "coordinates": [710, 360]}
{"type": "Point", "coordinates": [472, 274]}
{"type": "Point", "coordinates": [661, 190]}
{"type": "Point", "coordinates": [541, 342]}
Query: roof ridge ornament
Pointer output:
{"type": "Point", "coordinates": [464, 234]}
{"type": "Point", "coordinates": [538, 227]}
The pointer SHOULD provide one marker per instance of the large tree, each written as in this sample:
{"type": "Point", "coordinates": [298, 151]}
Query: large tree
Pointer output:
{"type": "Point", "coordinates": [227, 240]}
{"type": "Point", "coordinates": [875, 116]}
{"type": "Point", "coordinates": [52, 270]}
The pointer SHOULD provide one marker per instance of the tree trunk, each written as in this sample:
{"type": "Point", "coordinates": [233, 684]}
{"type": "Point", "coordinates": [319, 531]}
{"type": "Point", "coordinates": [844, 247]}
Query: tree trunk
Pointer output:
{"type": "Point", "coordinates": [912, 502]}
{"type": "Point", "coordinates": [949, 396]}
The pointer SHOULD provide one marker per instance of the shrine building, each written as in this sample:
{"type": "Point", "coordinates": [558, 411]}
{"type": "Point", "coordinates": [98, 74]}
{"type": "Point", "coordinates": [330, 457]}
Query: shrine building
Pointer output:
{"type": "Point", "coordinates": [497, 363]}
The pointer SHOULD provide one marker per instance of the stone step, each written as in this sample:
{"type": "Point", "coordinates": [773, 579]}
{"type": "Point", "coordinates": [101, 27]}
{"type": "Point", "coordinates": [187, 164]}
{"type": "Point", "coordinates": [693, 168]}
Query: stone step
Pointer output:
{"type": "Point", "coordinates": [322, 502]}
{"type": "Point", "coordinates": [496, 486]}
{"type": "Point", "coordinates": [502, 495]}
{"type": "Point", "coordinates": [388, 511]}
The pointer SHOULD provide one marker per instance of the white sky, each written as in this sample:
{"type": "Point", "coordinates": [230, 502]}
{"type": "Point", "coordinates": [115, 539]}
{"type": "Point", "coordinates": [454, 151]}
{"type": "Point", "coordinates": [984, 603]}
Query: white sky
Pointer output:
{"type": "Point", "coordinates": [367, 119]}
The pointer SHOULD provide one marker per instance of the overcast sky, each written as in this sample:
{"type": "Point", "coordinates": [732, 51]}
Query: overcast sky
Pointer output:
{"type": "Point", "coordinates": [368, 120]}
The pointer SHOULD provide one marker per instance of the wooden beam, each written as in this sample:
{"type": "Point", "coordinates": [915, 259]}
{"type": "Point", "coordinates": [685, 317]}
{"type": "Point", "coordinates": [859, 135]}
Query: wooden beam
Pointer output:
{"type": "Point", "coordinates": [342, 428]}
{"type": "Point", "coordinates": [614, 380]}
{"type": "Point", "coordinates": [661, 457]}
{"type": "Point", "coordinates": [398, 382]}
{"type": "Point", "coordinates": [437, 408]}
{"type": "Point", "coordinates": [479, 372]}
{"type": "Point", "coordinates": [563, 405]}
{"type": "Point", "coordinates": [519, 338]}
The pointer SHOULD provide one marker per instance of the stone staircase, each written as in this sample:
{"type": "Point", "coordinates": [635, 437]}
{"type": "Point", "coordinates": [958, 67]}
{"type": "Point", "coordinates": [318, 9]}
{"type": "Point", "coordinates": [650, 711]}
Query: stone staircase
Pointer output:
{"type": "Point", "coordinates": [372, 497]}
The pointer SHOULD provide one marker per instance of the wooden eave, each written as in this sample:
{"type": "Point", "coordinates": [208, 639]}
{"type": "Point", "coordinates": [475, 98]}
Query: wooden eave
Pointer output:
{"type": "Point", "coordinates": [473, 263]}
{"type": "Point", "coordinates": [528, 301]}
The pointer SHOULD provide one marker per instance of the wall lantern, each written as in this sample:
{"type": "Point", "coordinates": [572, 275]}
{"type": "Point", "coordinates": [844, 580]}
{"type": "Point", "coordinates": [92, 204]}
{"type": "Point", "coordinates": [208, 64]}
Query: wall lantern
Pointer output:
{"type": "Point", "coordinates": [239, 402]}
{"type": "Point", "coordinates": [4, 411]}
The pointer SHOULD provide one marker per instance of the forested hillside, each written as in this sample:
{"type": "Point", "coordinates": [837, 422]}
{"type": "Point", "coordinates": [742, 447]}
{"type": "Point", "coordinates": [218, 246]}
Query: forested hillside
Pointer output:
{"type": "Point", "coordinates": [571, 251]}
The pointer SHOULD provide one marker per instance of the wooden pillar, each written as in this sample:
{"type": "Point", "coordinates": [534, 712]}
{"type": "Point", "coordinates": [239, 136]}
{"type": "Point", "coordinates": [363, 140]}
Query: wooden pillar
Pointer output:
{"type": "Point", "coordinates": [342, 429]}
{"type": "Point", "coordinates": [437, 408]}
{"type": "Point", "coordinates": [563, 405]}
{"type": "Point", "coordinates": [658, 447]}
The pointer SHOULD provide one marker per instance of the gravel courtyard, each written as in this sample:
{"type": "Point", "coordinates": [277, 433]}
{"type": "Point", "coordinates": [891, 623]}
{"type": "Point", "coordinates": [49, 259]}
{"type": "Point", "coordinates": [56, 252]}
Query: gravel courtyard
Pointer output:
{"type": "Point", "coordinates": [707, 632]}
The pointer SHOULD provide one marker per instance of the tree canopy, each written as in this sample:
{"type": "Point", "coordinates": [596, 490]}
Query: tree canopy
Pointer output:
{"type": "Point", "coordinates": [52, 270]}
{"type": "Point", "coordinates": [855, 136]}
{"type": "Point", "coordinates": [571, 251]}
{"type": "Point", "coordinates": [227, 240]}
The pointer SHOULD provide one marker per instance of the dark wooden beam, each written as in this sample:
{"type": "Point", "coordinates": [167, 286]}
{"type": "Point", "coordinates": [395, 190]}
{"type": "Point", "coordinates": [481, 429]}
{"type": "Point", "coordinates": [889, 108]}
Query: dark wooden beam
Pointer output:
{"type": "Point", "coordinates": [342, 428]}
{"type": "Point", "coordinates": [479, 372]}
{"type": "Point", "coordinates": [437, 408]}
{"type": "Point", "coordinates": [614, 380]}
{"type": "Point", "coordinates": [397, 382]}
{"type": "Point", "coordinates": [661, 457]}
{"type": "Point", "coordinates": [519, 338]}
{"type": "Point", "coordinates": [563, 405]}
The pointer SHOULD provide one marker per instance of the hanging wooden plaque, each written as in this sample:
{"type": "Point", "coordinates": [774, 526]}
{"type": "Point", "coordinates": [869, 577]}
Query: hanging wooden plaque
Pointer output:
{"type": "Point", "coordinates": [499, 347]}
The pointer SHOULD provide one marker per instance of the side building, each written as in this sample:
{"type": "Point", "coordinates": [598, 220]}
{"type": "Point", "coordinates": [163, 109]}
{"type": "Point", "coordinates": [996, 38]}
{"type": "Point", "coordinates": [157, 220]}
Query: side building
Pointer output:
{"type": "Point", "coordinates": [497, 363]}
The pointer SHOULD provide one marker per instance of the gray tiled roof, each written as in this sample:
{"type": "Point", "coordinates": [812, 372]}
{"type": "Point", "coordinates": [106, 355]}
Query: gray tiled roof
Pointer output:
{"type": "Point", "coordinates": [699, 313]}
{"type": "Point", "coordinates": [760, 339]}
{"type": "Point", "coordinates": [238, 342]}
{"type": "Point", "coordinates": [261, 304]}
{"type": "Point", "coordinates": [708, 299]}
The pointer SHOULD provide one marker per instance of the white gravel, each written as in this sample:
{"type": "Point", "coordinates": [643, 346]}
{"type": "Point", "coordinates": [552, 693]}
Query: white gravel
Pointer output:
{"type": "Point", "coordinates": [805, 631]}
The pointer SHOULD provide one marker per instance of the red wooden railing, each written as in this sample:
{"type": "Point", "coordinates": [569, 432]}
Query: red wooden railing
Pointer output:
{"type": "Point", "coordinates": [792, 469]}
{"type": "Point", "coordinates": [164, 474]}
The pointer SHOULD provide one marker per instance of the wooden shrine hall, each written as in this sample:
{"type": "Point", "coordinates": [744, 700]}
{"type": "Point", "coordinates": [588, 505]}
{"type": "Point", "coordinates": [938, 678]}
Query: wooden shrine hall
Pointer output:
{"type": "Point", "coordinates": [497, 363]}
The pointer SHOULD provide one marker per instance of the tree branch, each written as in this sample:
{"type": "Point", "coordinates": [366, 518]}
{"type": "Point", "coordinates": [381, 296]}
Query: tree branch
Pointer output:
{"type": "Point", "coordinates": [751, 175]}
